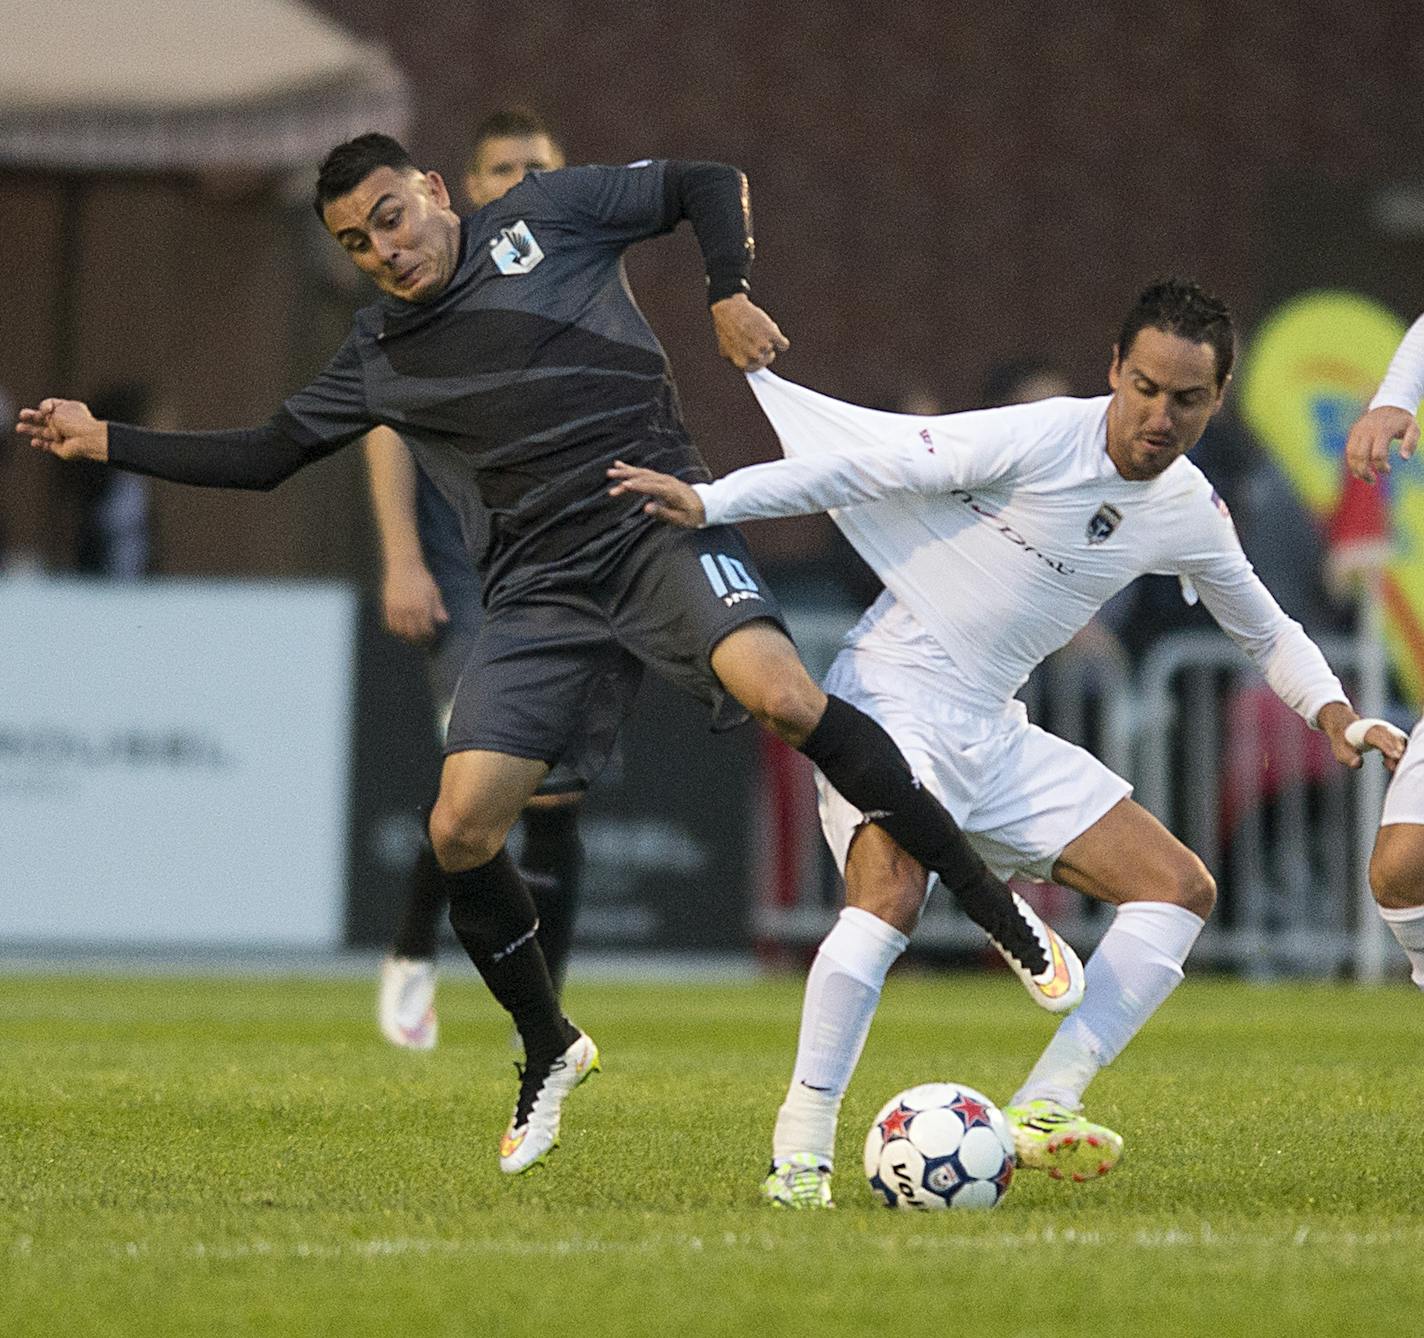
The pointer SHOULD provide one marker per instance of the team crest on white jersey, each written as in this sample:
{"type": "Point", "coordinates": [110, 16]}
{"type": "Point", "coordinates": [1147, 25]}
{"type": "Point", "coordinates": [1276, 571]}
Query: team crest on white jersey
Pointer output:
{"type": "Point", "coordinates": [515, 251]}
{"type": "Point", "coordinates": [1103, 523]}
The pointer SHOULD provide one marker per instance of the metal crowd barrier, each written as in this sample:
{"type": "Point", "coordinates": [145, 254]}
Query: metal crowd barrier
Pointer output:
{"type": "Point", "coordinates": [1241, 780]}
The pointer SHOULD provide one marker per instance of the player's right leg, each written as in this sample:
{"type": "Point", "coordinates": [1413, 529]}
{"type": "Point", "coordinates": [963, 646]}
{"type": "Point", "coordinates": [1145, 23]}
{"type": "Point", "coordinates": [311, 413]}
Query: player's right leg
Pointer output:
{"type": "Point", "coordinates": [885, 890]}
{"type": "Point", "coordinates": [1397, 864]}
{"type": "Point", "coordinates": [481, 795]}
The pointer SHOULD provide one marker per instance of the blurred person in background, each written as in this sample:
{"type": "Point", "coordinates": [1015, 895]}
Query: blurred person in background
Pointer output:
{"type": "Point", "coordinates": [105, 512]}
{"type": "Point", "coordinates": [507, 351]}
{"type": "Point", "coordinates": [430, 597]}
{"type": "Point", "coordinates": [7, 411]}
{"type": "Point", "coordinates": [1397, 862]}
{"type": "Point", "coordinates": [999, 533]}
{"type": "Point", "coordinates": [1019, 381]}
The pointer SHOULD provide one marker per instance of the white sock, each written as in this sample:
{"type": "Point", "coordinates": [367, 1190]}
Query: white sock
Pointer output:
{"type": "Point", "coordinates": [842, 992]}
{"type": "Point", "coordinates": [1136, 966]}
{"type": "Point", "coordinates": [1407, 925]}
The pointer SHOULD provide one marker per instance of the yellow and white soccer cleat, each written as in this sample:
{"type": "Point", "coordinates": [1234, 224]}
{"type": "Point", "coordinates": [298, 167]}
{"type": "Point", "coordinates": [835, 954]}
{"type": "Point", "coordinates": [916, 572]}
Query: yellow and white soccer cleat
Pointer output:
{"type": "Point", "coordinates": [801, 1180]}
{"type": "Point", "coordinates": [1050, 1137]}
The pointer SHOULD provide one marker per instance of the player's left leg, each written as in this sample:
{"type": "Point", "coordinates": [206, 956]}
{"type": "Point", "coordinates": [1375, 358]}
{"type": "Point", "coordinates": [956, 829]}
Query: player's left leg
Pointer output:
{"type": "Point", "coordinates": [1163, 894]}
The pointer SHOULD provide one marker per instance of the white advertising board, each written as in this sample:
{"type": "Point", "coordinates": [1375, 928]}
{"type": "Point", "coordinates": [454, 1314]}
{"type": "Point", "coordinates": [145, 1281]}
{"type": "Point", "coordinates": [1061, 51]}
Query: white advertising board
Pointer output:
{"type": "Point", "coordinates": [174, 761]}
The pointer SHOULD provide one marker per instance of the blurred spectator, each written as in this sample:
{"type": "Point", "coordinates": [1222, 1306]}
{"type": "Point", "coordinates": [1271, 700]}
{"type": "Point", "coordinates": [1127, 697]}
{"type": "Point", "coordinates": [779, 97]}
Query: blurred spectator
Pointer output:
{"type": "Point", "coordinates": [7, 423]}
{"type": "Point", "coordinates": [1022, 381]}
{"type": "Point", "coordinates": [106, 511]}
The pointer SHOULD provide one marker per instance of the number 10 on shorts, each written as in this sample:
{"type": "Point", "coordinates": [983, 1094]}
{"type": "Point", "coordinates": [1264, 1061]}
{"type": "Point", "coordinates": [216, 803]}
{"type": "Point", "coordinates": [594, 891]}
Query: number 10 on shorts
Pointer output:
{"type": "Point", "coordinates": [728, 578]}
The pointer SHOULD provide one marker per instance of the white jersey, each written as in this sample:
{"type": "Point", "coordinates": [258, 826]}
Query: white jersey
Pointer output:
{"type": "Point", "coordinates": [999, 533]}
{"type": "Point", "coordinates": [1403, 384]}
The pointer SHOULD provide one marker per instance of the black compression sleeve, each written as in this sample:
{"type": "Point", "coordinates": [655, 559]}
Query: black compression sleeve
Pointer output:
{"type": "Point", "coordinates": [714, 199]}
{"type": "Point", "coordinates": [256, 457]}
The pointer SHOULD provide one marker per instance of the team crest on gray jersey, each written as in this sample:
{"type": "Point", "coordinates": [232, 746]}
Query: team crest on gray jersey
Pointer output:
{"type": "Point", "coordinates": [1103, 523]}
{"type": "Point", "coordinates": [515, 251]}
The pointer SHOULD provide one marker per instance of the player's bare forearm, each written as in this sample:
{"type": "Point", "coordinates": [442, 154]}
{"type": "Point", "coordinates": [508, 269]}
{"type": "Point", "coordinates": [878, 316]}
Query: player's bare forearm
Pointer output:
{"type": "Point", "coordinates": [669, 498]}
{"type": "Point", "coordinates": [65, 428]}
{"type": "Point", "coordinates": [1367, 448]}
{"type": "Point", "coordinates": [746, 336]}
{"type": "Point", "coordinates": [1335, 720]}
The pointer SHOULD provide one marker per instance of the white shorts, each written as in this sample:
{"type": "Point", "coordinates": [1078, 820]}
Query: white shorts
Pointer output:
{"type": "Point", "coordinates": [1404, 800]}
{"type": "Point", "coordinates": [1019, 793]}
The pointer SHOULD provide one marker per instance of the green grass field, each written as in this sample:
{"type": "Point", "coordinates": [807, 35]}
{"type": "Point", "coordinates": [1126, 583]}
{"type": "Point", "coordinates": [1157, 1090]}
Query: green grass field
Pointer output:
{"type": "Point", "coordinates": [247, 1157]}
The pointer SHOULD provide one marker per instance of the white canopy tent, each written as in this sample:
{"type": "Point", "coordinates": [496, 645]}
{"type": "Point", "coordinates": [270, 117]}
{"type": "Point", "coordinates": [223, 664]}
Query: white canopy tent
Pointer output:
{"type": "Point", "coordinates": [93, 89]}
{"type": "Point", "coordinates": [185, 85]}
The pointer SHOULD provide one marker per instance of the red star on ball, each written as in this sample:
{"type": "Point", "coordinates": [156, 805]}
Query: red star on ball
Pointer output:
{"type": "Point", "coordinates": [895, 1123]}
{"type": "Point", "coordinates": [969, 1110]}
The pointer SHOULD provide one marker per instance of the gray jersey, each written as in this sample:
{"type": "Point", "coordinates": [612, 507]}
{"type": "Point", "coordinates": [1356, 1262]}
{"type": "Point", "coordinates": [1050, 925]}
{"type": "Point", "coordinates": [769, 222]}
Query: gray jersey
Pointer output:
{"type": "Point", "coordinates": [519, 385]}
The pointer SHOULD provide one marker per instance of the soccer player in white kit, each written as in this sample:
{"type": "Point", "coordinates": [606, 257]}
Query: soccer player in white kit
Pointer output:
{"type": "Point", "coordinates": [998, 534]}
{"type": "Point", "coordinates": [1397, 864]}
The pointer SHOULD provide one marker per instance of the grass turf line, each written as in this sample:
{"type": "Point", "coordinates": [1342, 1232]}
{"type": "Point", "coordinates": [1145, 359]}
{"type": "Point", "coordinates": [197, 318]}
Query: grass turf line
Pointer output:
{"type": "Point", "coordinates": [247, 1157]}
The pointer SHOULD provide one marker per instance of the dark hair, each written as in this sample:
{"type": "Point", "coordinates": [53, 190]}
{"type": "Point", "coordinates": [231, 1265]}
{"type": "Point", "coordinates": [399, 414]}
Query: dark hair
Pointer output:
{"type": "Point", "coordinates": [1179, 307]}
{"type": "Point", "coordinates": [349, 164]}
{"type": "Point", "coordinates": [515, 122]}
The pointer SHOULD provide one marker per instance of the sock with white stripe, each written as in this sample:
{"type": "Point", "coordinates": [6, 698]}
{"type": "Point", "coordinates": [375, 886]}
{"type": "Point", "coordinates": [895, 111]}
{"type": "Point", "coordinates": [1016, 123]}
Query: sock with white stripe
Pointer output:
{"type": "Point", "coordinates": [1406, 923]}
{"type": "Point", "coordinates": [842, 992]}
{"type": "Point", "coordinates": [1135, 967]}
{"type": "Point", "coordinates": [493, 916]}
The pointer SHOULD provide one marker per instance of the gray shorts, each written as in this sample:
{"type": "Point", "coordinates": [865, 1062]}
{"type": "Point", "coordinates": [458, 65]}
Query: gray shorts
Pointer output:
{"type": "Point", "coordinates": [553, 674]}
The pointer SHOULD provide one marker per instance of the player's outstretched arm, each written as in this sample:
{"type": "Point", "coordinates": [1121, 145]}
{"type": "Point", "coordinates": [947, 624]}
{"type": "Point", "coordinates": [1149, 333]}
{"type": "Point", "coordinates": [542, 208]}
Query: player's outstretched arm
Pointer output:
{"type": "Point", "coordinates": [1367, 448]}
{"type": "Point", "coordinates": [65, 428]}
{"type": "Point", "coordinates": [669, 498]}
{"type": "Point", "coordinates": [1350, 746]}
{"type": "Point", "coordinates": [746, 336]}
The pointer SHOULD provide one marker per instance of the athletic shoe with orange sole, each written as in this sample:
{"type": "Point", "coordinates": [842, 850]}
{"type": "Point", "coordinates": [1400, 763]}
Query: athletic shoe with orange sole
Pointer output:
{"type": "Point", "coordinates": [533, 1130]}
{"type": "Point", "coordinates": [1058, 987]}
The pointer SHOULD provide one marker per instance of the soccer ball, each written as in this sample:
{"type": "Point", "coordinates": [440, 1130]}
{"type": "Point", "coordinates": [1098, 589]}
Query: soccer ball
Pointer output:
{"type": "Point", "coordinates": [940, 1145]}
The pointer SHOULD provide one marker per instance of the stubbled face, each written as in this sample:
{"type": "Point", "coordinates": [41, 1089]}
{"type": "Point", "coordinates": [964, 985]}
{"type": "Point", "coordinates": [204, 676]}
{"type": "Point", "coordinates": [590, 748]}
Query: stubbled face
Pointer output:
{"type": "Point", "coordinates": [398, 227]}
{"type": "Point", "coordinates": [1164, 394]}
{"type": "Point", "coordinates": [503, 162]}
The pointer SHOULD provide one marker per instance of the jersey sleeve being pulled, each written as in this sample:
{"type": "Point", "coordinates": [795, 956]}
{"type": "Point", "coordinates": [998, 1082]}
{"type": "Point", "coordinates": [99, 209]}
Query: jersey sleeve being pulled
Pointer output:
{"type": "Point", "coordinates": [841, 454]}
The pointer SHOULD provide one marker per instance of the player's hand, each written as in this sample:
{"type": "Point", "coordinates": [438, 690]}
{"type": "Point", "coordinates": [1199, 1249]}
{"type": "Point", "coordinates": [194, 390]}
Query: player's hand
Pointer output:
{"type": "Point", "coordinates": [65, 428]}
{"type": "Point", "coordinates": [746, 336]}
{"type": "Point", "coordinates": [1336, 719]}
{"type": "Point", "coordinates": [1367, 448]}
{"type": "Point", "coordinates": [669, 499]}
{"type": "Point", "coordinates": [411, 603]}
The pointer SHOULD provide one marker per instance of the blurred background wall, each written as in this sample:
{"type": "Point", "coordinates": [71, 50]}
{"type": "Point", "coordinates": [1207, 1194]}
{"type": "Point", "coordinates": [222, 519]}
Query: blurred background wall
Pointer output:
{"type": "Point", "coordinates": [936, 188]}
